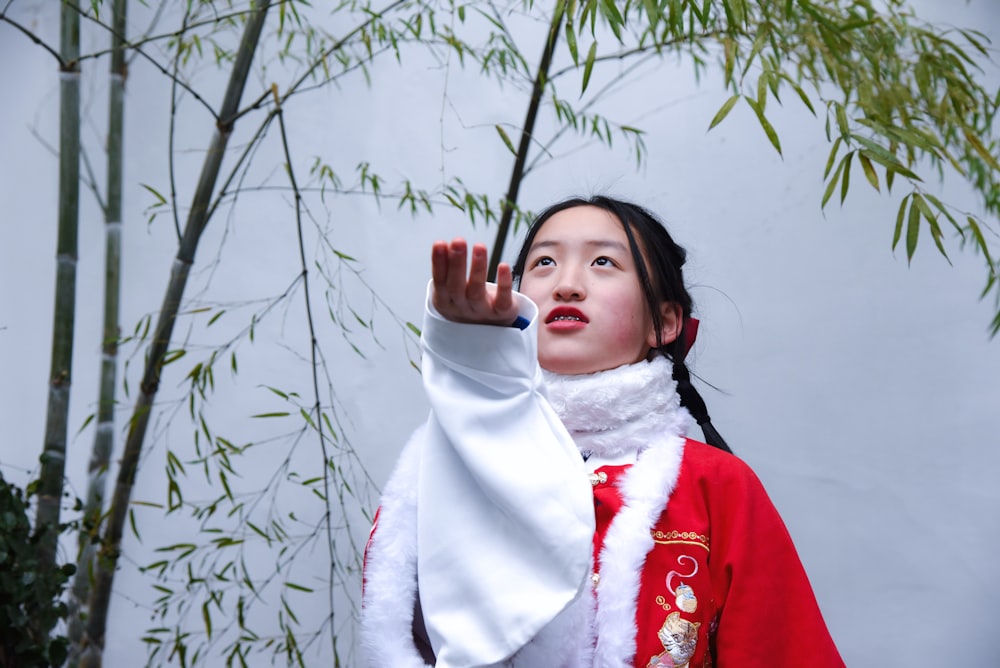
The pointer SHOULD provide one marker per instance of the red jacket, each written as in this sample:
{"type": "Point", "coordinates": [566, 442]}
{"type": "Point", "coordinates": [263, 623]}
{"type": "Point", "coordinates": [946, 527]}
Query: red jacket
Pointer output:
{"type": "Point", "coordinates": [722, 573]}
{"type": "Point", "coordinates": [714, 579]}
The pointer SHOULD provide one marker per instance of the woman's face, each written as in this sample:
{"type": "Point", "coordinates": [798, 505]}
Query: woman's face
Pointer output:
{"type": "Point", "coordinates": [592, 310]}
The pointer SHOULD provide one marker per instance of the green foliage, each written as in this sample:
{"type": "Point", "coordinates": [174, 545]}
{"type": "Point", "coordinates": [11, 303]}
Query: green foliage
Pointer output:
{"type": "Point", "coordinates": [29, 593]}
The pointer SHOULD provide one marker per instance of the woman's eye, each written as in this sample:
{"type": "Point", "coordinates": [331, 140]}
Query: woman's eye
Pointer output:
{"type": "Point", "coordinates": [543, 262]}
{"type": "Point", "coordinates": [604, 262]}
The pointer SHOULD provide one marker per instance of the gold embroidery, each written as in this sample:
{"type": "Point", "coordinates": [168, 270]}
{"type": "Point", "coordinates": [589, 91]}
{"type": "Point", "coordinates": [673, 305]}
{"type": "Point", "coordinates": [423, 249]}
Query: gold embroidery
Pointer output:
{"type": "Point", "coordinates": [662, 602]}
{"type": "Point", "coordinates": [680, 538]}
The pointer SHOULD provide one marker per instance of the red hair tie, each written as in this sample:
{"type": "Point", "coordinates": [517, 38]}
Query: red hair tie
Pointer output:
{"type": "Point", "coordinates": [690, 334]}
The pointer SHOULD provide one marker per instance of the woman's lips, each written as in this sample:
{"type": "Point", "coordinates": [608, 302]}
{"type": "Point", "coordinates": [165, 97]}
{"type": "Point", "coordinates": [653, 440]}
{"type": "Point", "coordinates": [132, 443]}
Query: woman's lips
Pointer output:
{"type": "Point", "coordinates": [566, 318]}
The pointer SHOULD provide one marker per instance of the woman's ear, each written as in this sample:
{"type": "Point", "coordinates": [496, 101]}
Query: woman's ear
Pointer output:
{"type": "Point", "coordinates": [671, 322]}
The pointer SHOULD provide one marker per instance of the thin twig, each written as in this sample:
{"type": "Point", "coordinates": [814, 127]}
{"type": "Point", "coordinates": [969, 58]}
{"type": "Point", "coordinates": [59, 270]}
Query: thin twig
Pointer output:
{"type": "Point", "coordinates": [33, 37]}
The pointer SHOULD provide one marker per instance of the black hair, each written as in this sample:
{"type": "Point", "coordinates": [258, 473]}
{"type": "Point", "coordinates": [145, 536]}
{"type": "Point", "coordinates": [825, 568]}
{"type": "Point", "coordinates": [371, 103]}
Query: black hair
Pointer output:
{"type": "Point", "coordinates": [658, 260]}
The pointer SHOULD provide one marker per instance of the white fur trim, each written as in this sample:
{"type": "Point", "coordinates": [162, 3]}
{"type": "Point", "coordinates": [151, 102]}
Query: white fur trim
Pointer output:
{"type": "Point", "coordinates": [618, 411]}
{"type": "Point", "coordinates": [391, 569]}
{"type": "Point", "coordinates": [646, 487]}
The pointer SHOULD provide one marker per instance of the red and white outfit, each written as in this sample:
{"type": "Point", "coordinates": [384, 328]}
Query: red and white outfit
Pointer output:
{"type": "Point", "coordinates": [657, 552]}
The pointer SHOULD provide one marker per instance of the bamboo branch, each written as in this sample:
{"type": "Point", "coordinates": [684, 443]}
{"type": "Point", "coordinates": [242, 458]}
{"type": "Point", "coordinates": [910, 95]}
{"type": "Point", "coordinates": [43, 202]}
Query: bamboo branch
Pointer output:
{"type": "Point", "coordinates": [196, 221]}
{"type": "Point", "coordinates": [313, 345]}
{"type": "Point", "coordinates": [36, 39]}
{"type": "Point", "coordinates": [517, 173]}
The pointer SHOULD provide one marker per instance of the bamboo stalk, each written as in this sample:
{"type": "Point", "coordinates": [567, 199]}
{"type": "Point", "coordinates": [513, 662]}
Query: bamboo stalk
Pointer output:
{"type": "Point", "coordinates": [196, 221]}
{"type": "Point", "coordinates": [517, 173]}
{"type": "Point", "coordinates": [53, 459]}
{"type": "Point", "coordinates": [100, 454]}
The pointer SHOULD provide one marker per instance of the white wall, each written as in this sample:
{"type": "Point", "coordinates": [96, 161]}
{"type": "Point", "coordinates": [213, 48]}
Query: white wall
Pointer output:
{"type": "Point", "coordinates": [863, 391]}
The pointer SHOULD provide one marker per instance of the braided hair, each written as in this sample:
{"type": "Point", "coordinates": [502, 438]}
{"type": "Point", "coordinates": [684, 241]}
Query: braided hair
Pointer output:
{"type": "Point", "coordinates": [658, 260]}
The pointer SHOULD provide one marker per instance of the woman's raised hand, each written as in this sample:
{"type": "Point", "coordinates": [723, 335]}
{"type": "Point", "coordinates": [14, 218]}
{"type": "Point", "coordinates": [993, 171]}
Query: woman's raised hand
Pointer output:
{"type": "Point", "coordinates": [470, 300]}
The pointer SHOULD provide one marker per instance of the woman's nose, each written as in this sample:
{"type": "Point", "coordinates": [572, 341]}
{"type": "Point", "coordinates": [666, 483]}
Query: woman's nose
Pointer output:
{"type": "Point", "coordinates": [569, 288]}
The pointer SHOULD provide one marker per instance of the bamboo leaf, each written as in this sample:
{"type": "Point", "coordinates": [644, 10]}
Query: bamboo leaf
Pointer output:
{"type": "Point", "coordinates": [846, 176]}
{"type": "Point", "coordinates": [899, 222]}
{"type": "Point", "coordinates": [869, 169]}
{"type": "Point", "coordinates": [936, 235]}
{"type": "Point", "coordinates": [258, 531]}
{"type": "Point", "coordinates": [912, 228]}
{"type": "Point", "coordinates": [132, 524]}
{"type": "Point", "coordinates": [298, 587]}
{"type": "Point", "coordinates": [723, 111]}
{"type": "Point", "coordinates": [160, 199]}
{"type": "Point", "coordinates": [977, 234]}
{"type": "Point", "coordinates": [308, 418]}
{"type": "Point", "coordinates": [982, 151]}
{"type": "Point", "coordinates": [931, 219]}
{"type": "Point", "coordinates": [834, 180]}
{"type": "Point", "coordinates": [207, 617]}
{"type": "Point", "coordinates": [173, 356]}
{"type": "Point", "coordinates": [801, 93]}
{"type": "Point", "coordinates": [762, 36]}
{"type": "Point", "coordinates": [574, 51]}
{"type": "Point", "coordinates": [884, 157]}
{"type": "Point", "coordinates": [729, 49]}
{"type": "Point", "coordinates": [765, 124]}
{"type": "Point", "coordinates": [588, 66]}
{"type": "Point", "coordinates": [944, 210]}
{"type": "Point", "coordinates": [833, 156]}
{"type": "Point", "coordinates": [90, 418]}
{"type": "Point", "coordinates": [845, 128]}
{"type": "Point", "coordinates": [270, 415]}
{"type": "Point", "coordinates": [653, 12]}
{"type": "Point", "coordinates": [613, 17]}
{"type": "Point", "coordinates": [506, 141]}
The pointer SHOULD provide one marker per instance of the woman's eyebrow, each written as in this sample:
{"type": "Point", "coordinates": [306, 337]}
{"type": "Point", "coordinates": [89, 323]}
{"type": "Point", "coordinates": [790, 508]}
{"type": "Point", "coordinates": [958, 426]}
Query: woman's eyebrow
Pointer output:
{"type": "Point", "coordinates": [590, 243]}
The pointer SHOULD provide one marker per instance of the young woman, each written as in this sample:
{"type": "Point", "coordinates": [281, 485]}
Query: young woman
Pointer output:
{"type": "Point", "coordinates": [551, 512]}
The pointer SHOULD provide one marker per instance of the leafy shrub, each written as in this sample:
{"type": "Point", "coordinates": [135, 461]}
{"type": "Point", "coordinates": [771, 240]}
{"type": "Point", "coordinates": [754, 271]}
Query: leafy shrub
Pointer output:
{"type": "Point", "coordinates": [29, 599]}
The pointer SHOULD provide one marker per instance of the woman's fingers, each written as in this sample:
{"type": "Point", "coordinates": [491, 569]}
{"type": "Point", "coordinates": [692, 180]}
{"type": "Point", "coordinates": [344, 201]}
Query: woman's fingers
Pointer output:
{"type": "Point", "coordinates": [470, 299]}
{"type": "Point", "coordinates": [439, 263]}
{"type": "Point", "coordinates": [503, 302]}
{"type": "Point", "coordinates": [475, 290]}
{"type": "Point", "coordinates": [455, 281]}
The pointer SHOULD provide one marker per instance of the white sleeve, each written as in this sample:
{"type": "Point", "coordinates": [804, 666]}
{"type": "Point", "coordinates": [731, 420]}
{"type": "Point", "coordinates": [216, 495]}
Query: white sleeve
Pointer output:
{"type": "Point", "coordinates": [505, 515]}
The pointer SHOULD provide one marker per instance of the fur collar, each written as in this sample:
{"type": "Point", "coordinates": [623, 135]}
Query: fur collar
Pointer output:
{"type": "Point", "coordinates": [619, 411]}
